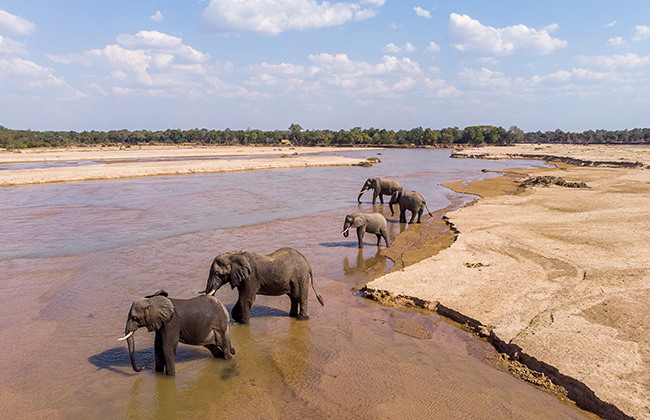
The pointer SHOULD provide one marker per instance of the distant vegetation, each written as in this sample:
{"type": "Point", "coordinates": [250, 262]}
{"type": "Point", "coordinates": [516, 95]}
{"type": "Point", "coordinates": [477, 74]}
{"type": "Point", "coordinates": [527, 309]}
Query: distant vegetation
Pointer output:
{"type": "Point", "coordinates": [446, 137]}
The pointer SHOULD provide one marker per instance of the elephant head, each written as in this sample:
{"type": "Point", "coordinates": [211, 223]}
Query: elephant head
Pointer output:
{"type": "Point", "coordinates": [370, 184]}
{"type": "Point", "coordinates": [354, 221]}
{"type": "Point", "coordinates": [232, 267]}
{"type": "Point", "coordinates": [394, 199]}
{"type": "Point", "coordinates": [152, 312]}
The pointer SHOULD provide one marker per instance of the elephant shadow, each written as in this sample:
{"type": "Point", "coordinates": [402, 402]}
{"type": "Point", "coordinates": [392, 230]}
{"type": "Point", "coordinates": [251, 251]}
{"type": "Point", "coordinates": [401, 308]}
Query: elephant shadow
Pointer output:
{"type": "Point", "coordinates": [117, 358]}
{"type": "Point", "coordinates": [258, 311]}
{"type": "Point", "coordinates": [346, 244]}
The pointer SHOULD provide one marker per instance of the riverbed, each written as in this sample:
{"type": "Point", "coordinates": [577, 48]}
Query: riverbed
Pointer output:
{"type": "Point", "coordinates": [73, 256]}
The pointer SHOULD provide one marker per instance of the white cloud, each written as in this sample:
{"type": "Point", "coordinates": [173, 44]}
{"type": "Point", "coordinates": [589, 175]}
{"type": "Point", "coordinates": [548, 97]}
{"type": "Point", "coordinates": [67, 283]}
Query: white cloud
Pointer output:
{"type": "Point", "coordinates": [470, 36]}
{"type": "Point", "coordinates": [433, 47]}
{"type": "Point", "coordinates": [392, 48]}
{"type": "Point", "coordinates": [422, 13]}
{"type": "Point", "coordinates": [157, 41]}
{"type": "Point", "coordinates": [340, 63]}
{"type": "Point", "coordinates": [616, 42]}
{"type": "Point", "coordinates": [8, 46]}
{"type": "Point", "coordinates": [629, 61]}
{"type": "Point", "coordinates": [157, 17]}
{"type": "Point", "coordinates": [271, 17]}
{"type": "Point", "coordinates": [14, 25]}
{"type": "Point", "coordinates": [609, 25]}
{"type": "Point", "coordinates": [642, 33]}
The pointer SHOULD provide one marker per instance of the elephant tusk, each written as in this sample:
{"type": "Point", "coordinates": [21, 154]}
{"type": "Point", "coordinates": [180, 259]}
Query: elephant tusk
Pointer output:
{"type": "Point", "coordinates": [212, 292]}
{"type": "Point", "coordinates": [345, 230]}
{"type": "Point", "coordinates": [126, 336]}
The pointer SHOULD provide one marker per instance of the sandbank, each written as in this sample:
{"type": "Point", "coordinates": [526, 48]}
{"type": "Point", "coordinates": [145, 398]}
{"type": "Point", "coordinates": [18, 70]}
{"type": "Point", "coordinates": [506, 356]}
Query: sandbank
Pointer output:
{"type": "Point", "coordinates": [556, 278]}
{"type": "Point", "coordinates": [115, 162]}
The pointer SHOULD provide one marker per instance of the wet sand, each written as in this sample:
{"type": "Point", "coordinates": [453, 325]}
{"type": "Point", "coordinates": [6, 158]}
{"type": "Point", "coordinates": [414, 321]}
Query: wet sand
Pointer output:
{"type": "Point", "coordinates": [123, 162]}
{"type": "Point", "coordinates": [556, 278]}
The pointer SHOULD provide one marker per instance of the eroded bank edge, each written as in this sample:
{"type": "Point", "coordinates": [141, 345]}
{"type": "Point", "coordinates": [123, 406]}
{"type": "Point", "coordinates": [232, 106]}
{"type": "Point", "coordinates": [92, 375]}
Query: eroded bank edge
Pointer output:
{"type": "Point", "coordinates": [519, 363]}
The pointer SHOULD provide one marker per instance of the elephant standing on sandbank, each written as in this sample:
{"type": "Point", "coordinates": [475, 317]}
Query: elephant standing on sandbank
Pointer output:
{"type": "Point", "coordinates": [200, 321]}
{"type": "Point", "coordinates": [367, 222]}
{"type": "Point", "coordinates": [283, 272]}
{"type": "Point", "coordinates": [412, 201]}
{"type": "Point", "coordinates": [380, 187]}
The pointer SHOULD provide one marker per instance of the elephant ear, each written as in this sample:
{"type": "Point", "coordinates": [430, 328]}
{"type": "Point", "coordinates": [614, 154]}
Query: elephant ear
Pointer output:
{"type": "Point", "coordinates": [239, 271]}
{"type": "Point", "coordinates": [394, 197]}
{"type": "Point", "coordinates": [159, 292]}
{"type": "Point", "coordinates": [359, 220]}
{"type": "Point", "coordinates": [159, 311]}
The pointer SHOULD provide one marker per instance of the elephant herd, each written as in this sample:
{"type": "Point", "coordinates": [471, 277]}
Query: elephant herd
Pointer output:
{"type": "Point", "coordinates": [204, 320]}
{"type": "Point", "coordinates": [376, 223]}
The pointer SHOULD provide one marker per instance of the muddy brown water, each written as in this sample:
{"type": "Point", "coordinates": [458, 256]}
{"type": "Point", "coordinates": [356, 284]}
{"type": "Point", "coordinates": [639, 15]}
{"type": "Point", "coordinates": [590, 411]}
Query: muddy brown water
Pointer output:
{"type": "Point", "coordinates": [74, 256]}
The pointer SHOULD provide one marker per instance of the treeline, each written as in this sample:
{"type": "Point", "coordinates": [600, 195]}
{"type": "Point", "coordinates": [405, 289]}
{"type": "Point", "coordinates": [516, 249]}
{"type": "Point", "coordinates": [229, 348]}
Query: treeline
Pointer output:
{"type": "Point", "coordinates": [446, 137]}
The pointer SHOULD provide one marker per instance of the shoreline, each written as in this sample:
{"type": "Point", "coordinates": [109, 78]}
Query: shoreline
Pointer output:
{"type": "Point", "coordinates": [120, 163]}
{"type": "Point", "coordinates": [556, 279]}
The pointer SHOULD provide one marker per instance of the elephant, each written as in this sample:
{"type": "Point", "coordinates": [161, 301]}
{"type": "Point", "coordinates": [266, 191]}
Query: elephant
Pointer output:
{"type": "Point", "coordinates": [412, 201]}
{"type": "Point", "coordinates": [380, 187]}
{"type": "Point", "coordinates": [200, 321]}
{"type": "Point", "coordinates": [367, 222]}
{"type": "Point", "coordinates": [285, 271]}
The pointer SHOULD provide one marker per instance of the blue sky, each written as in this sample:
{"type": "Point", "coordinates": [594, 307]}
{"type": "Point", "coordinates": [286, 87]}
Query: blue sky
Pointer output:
{"type": "Point", "coordinates": [156, 64]}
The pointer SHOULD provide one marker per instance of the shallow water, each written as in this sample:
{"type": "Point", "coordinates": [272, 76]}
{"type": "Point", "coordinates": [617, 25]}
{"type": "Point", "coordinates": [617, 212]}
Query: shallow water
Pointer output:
{"type": "Point", "coordinates": [74, 256]}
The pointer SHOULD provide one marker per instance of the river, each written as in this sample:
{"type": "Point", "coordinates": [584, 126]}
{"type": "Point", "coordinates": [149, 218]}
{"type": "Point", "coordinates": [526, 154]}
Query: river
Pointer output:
{"type": "Point", "coordinates": [74, 256]}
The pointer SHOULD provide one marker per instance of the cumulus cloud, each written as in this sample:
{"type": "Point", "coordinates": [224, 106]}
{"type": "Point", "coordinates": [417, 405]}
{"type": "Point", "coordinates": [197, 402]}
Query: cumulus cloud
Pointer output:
{"type": "Point", "coordinates": [642, 33]}
{"type": "Point", "coordinates": [8, 46]}
{"type": "Point", "coordinates": [422, 12]}
{"type": "Point", "coordinates": [629, 61]}
{"type": "Point", "coordinates": [15, 25]}
{"type": "Point", "coordinates": [616, 42]}
{"type": "Point", "coordinates": [470, 36]}
{"type": "Point", "coordinates": [407, 48]}
{"type": "Point", "coordinates": [433, 47]}
{"type": "Point", "coordinates": [150, 57]}
{"type": "Point", "coordinates": [272, 17]}
{"type": "Point", "coordinates": [157, 17]}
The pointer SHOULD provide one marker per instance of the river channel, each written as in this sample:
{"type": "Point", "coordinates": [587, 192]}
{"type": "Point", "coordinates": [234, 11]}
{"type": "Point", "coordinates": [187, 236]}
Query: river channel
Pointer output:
{"type": "Point", "coordinates": [74, 256]}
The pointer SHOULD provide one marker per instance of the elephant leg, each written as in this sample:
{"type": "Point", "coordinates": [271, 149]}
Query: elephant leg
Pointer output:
{"type": "Point", "coordinates": [304, 298]}
{"type": "Point", "coordinates": [216, 351]}
{"type": "Point", "coordinates": [381, 199]}
{"type": "Point", "coordinates": [169, 346]}
{"type": "Point", "coordinates": [384, 234]}
{"type": "Point", "coordinates": [378, 239]}
{"type": "Point", "coordinates": [241, 312]}
{"type": "Point", "coordinates": [294, 307]}
{"type": "Point", "coordinates": [158, 353]}
{"type": "Point", "coordinates": [420, 213]}
{"type": "Point", "coordinates": [402, 214]}
{"type": "Point", "coordinates": [227, 349]}
{"type": "Point", "coordinates": [360, 232]}
{"type": "Point", "coordinates": [236, 312]}
{"type": "Point", "coordinates": [413, 214]}
{"type": "Point", "coordinates": [374, 196]}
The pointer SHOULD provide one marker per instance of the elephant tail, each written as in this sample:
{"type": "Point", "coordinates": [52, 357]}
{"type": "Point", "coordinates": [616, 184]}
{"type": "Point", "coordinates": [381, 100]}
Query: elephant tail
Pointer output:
{"type": "Point", "coordinates": [319, 297]}
{"type": "Point", "coordinates": [428, 211]}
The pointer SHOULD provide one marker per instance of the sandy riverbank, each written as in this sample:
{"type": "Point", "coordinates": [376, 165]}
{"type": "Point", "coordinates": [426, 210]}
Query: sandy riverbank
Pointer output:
{"type": "Point", "coordinates": [558, 278]}
{"type": "Point", "coordinates": [123, 163]}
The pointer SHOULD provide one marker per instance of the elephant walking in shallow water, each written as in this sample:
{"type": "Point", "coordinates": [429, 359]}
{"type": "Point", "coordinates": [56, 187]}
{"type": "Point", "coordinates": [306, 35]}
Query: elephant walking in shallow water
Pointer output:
{"type": "Point", "coordinates": [200, 321]}
{"type": "Point", "coordinates": [283, 272]}
{"type": "Point", "coordinates": [412, 201]}
{"type": "Point", "coordinates": [380, 187]}
{"type": "Point", "coordinates": [367, 222]}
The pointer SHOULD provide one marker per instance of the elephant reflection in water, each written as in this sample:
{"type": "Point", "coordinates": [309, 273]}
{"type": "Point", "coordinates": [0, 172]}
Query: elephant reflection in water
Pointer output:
{"type": "Point", "coordinates": [375, 264]}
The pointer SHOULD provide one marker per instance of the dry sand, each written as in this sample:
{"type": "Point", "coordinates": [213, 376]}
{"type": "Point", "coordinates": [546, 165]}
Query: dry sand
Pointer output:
{"type": "Point", "coordinates": [556, 278]}
{"type": "Point", "coordinates": [123, 162]}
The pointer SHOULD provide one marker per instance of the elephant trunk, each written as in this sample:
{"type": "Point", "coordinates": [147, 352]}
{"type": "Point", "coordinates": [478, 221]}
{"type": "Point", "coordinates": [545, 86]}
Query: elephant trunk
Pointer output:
{"type": "Point", "coordinates": [360, 194]}
{"type": "Point", "coordinates": [130, 341]}
{"type": "Point", "coordinates": [346, 229]}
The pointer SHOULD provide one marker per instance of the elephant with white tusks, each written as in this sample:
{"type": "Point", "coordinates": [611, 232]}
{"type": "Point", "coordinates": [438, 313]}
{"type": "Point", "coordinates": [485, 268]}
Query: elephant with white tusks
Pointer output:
{"type": "Point", "coordinates": [283, 272]}
{"type": "Point", "coordinates": [200, 321]}
{"type": "Point", "coordinates": [412, 201]}
{"type": "Point", "coordinates": [380, 187]}
{"type": "Point", "coordinates": [367, 222]}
